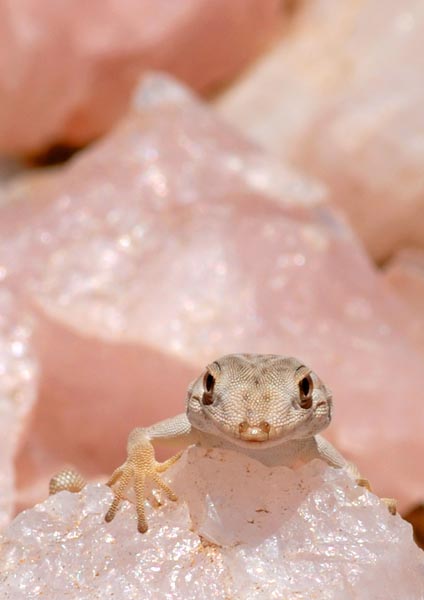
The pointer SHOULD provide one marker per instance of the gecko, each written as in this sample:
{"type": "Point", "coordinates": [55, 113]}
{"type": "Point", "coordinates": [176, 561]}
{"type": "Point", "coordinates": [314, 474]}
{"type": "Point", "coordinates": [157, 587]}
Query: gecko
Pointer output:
{"type": "Point", "coordinates": [269, 407]}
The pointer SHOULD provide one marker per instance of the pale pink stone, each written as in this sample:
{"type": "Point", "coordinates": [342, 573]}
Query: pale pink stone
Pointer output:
{"type": "Point", "coordinates": [240, 530]}
{"type": "Point", "coordinates": [342, 96]}
{"type": "Point", "coordinates": [174, 241]}
{"type": "Point", "coordinates": [405, 273]}
{"type": "Point", "coordinates": [18, 380]}
{"type": "Point", "coordinates": [67, 69]}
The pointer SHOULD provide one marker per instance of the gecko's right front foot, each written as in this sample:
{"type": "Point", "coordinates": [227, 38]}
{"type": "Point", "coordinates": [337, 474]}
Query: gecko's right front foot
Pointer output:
{"type": "Point", "coordinates": [140, 466]}
{"type": "Point", "coordinates": [389, 502]}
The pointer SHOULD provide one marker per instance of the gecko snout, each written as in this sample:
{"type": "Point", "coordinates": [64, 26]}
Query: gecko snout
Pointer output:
{"type": "Point", "coordinates": [254, 433]}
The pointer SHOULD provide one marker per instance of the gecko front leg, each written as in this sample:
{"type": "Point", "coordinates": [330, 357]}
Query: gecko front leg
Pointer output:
{"type": "Point", "coordinates": [141, 465]}
{"type": "Point", "coordinates": [331, 456]}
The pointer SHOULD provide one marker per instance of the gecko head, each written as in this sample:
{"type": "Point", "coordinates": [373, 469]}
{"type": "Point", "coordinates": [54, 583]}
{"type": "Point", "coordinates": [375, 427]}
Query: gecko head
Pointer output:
{"type": "Point", "coordinates": [255, 400]}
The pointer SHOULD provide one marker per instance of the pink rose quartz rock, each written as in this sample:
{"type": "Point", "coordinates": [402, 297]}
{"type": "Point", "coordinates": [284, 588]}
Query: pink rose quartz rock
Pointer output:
{"type": "Point", "coordinates": [8, 170]}
{"type": "Point", "coordinates": [405, 273]}
{"type": "Point", "coordinates": [174, 241]}
{"type": "Point", "coordinates": [67, 70]}
{"type": "Point", "coordinates": [342, 97]}
{"type": "Point", "coordinates": [18, 379]}
{"type": "Point", "coordinates": [240, 530]}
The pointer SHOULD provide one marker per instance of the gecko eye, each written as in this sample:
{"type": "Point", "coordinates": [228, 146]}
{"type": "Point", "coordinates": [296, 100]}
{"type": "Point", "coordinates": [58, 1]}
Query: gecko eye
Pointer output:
{"type": "Point", "coordinates": [208, 385]}
{"type": "Point", "coordinates": [306, 387]}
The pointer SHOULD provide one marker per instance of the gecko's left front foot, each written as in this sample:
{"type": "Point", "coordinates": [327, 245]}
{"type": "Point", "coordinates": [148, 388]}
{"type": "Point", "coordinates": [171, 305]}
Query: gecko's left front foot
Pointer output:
{"type": "Point", "coordinates": [389, 502]}
{"type": "Point", "coordinates": [139, 466]}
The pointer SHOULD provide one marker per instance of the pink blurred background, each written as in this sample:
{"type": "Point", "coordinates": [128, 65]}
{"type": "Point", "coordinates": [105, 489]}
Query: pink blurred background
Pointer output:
{"type": "Point", "coordinates": [279, 210]}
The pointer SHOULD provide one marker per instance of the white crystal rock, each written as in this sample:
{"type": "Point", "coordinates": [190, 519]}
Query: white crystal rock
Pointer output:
{"type": "Point", "coordinates": [174, 241]}
{"type": "Point", "coordinates": [342, 97]}
{"type": "Point", "coordinates": [240, 530]}
{"type": "Point", "coordinates": [18, 381]}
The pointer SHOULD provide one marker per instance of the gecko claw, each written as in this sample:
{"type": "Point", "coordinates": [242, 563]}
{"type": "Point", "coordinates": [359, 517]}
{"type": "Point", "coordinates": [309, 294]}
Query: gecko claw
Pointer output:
{"type": "Point", "coordinates": [142, 527]}
{"type": "Point", "coordinates": [391, 505]}
{"type": "Point", "coordinates": [109, 516]}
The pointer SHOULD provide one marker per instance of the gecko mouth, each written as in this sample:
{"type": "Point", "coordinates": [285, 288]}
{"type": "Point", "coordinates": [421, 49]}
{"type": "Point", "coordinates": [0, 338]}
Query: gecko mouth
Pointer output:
{"type": "Point", "coordinates": [254, 433]}
{"type": "Point", "coordinates": [262, 434]}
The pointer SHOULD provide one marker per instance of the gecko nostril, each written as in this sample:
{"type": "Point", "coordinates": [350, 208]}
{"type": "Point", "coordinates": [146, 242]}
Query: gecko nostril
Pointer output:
{"type": "Point", "coordinates": [243, 427]}
{"type": "Point", "coordinates": [265, 426]}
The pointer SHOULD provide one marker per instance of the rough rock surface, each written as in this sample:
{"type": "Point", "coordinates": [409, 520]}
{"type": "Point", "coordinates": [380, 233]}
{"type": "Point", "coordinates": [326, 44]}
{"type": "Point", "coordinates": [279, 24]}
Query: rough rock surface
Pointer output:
{"type": "Point", "coordinates": [405, 273]}
{"type": "Point", "coordinates": [342, 96]}
{"type": "Point", "coordinates": [174, 241]}
{"type": "Point", "coordinates": [243, 531]}
{"type": "Point", "coordinates": [92, 54]}
{"type": "Point", "coordinates": [18, 379]}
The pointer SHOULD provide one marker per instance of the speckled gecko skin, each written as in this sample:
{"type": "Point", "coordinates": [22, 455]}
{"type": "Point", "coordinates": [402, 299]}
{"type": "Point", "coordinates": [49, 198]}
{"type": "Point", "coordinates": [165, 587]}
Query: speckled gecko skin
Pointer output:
{"type": "Point", "coordinates": [269, 407]}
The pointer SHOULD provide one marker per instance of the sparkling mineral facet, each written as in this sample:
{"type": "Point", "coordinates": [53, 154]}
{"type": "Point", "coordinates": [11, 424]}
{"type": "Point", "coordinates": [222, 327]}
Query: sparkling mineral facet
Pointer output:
{"type": "Point", "coordinates": [240, 530]}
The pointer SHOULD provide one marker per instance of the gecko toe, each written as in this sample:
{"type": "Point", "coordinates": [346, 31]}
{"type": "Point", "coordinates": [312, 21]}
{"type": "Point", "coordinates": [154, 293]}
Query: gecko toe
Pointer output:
{"type": "Point", "coordinates": [125, 476]}
{"type": "Point", "coordinates": [391, 505]}
{"type": "Point", "coordinates": [142, 526]}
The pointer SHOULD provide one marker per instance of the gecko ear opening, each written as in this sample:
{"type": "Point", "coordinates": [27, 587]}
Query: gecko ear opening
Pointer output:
{"type": "Point", "coordinates": [208, 386]}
